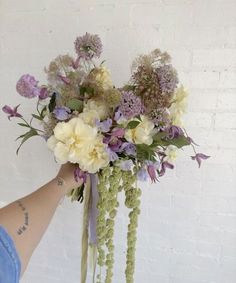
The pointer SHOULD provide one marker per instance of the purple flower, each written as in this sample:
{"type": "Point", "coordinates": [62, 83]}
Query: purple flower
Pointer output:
{"type": "Point", "coordinates": [199, 157]}
{"type": "Point", "coordinates": [104, 126]}
{"type": "Point", "coordinates": [165, 165]}
{"type": "Point", "coordinates": [131, 105]}
{"type": "Point", "coordinates": [174, 132]}
{"type": "Point", "coordinates": [12, 112]}
{"type": "Point", "coordinates": [126, 165]}
{"type": "Point", "coordinates": [152, 170]}
{"type": "Point", "coordinates": [112, 154]}
{"type": "Point", "coordinates": [43, 93]}
{"type": "Point", "coordinates": [88, 46]}
{"type": "Point", "coordinates": [113, 142]}
{"type": "Point", "coordinates": [27, 86]}
{"type": "Point", "coordinates": [118, 132]}
{"type": "Point", "coordinates": [64, 79]}
{"type": "Point", "coordinates": [167, 77]}
{"type": "Point", "coordinates": [80, 175]}
{"type": "Point", "coordinates": [118, 116]}
{"type": "Point", "coordinates": [142, 175]}
{"type": "Point", "coordinates": [129, 148]}
{"type": "Point", "coordinates": [61, 113]}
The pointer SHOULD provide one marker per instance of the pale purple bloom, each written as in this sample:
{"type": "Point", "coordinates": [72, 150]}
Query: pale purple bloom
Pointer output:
{"type": "Point", "coordinates": [129, 148]}
{"type": "Point", "coordinates": [104, 126]}
{"type": "Point", "coordinates": [118, 132]}
{"type": "Point", "coordinates": [112, 154]}
{"type": "Point", "coordinates": [27, 86]}
{"type": "Point", "coordinates": [167, 77]}
{"type": "Point", "coordinates": [126, 165]}
{"type": "Point", "coordinates": [142, 175]}
{"type": "Point", "coordinates": [152, 170]}
{"type": "Point", "coordinates": [131, 105]}
{"type": "Point", "coordinates": [165, 165]}
{"type": "Point", "coordinates": [88, 46]}
{"type": "Point", "coordinates": [113, 142]}
{"type": "Point", "coordinates": [174, 132]}
{"type": "Point", "coordinates": [43, 93]}
{"type": "Point", "coordinates": [80, 175]}
{"type": "Point", "coordinates": [61, 113]}
{"type": "Point", "coordinates": [199, 157]}
{"type": "Point", "coordinates": [64, 79]}
{"type": "Point", "coordinates": [118, 116]}
{"type": "Point", "coordinates": [12, 112]}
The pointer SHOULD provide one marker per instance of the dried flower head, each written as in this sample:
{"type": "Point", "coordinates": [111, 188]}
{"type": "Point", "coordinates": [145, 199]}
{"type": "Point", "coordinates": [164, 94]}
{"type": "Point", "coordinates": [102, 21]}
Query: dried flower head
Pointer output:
{"type": "Point", "coordinates": [88, 46]}
{"type": "Point", "coordinates": [168, 79]}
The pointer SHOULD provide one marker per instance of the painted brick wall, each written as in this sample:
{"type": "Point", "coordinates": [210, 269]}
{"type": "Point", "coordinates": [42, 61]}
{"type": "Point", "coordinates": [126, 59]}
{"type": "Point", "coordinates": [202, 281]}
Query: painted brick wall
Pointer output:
{"type": "Point", "coordinates": [187, 231]}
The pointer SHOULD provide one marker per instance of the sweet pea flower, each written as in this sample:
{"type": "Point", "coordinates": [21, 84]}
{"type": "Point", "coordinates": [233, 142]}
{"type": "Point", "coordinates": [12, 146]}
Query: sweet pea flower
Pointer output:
{"type": "Point", "coordinates": [126, 165]}
{"type": "Point", "coordinates": [199, 157]}
{"type": "Point", "coordinates": [104, 126]}
{"type": "Point", "coordinates": [142, 175]}
{"type": "Point", "coordinates": [118, 132]}
{"type": "Point", "coordinates": [129, 148]}
{"type": "Point", "coordinates": [61, 113]}
{"type": "Point", "coordinates": [112, 154]}
{"type": "Point", "coordinates": [12, 112]}
{"type": "Point", "coordinates": [80, 175]}
{"type": "Point", "coordinates": [43, 93]}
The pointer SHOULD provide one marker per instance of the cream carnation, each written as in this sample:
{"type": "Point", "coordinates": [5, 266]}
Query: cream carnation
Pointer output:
{"type": "Point", "coordinates": [99, 106]}
{"type": "Point", "coordinates": [143, 133]}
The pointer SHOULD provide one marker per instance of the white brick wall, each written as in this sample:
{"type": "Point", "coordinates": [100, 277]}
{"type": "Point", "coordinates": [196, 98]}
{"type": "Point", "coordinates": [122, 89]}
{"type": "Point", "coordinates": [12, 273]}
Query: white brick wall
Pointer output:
{"type": "Point", "coordinates": [187, 231]}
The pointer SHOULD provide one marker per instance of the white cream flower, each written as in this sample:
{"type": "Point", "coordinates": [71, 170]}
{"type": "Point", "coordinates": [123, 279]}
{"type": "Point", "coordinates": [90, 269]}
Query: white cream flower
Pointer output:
{"type": "Point", "coordinates": [96, 158]}
{"type": "Point", "coordinates": [171, 153]}
{"type": "Point", "coordinates": [99, 106]}
{"type": "Point", "coordinates": [90, 117]}
{"type": "Point", "coordinates": [143, 133]}
{"type": "Point", "coordinates": [103, 77]}
{"type": "Point", "coordinates": [70, 139]}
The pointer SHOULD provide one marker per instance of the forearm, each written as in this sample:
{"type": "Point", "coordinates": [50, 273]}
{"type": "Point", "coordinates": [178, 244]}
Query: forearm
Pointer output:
{"type": "Point", "coordinates": [27, 218]}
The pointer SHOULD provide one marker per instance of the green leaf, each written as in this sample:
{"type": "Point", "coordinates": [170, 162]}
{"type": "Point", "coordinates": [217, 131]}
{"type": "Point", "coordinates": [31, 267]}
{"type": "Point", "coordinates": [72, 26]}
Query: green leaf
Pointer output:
{"type": "Point", "coordinates": [75, 104]}
{"type": "Point", "coordinates": [43, 111]}
{"type": "Point", "coordinates": [37, 117]}
{"type": "Point", "coordinates": [25, 137]}
{"type": "Point", "coordinates": [86, 89]}
{"type": "Point", "coordinates": [145, 152]}
{"type": "Point", "coordinates": [180, 141]}
{"type": "Point", "coordinates": [23, 125]}
{"type": "Point", "coordinates": [133, 124]}
{"type": "Point", "coordinates": [52, 103]}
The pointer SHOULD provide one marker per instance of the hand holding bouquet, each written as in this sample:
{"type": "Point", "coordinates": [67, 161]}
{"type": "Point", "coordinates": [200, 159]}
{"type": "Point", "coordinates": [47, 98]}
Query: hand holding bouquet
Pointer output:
{"type": "Point", "coordinates": [116, 136]}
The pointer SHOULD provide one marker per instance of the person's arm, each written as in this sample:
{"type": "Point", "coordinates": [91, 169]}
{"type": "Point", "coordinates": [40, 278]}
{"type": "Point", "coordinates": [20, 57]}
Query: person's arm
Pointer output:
{"type": "Point", "coordinates": [27, 219]}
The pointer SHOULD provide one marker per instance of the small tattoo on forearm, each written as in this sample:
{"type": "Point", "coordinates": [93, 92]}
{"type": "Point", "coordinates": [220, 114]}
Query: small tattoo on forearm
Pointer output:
{"type": "Point", "coordinates": [60, 182]}
{"type": "Point", "coordinates": [24, 227]}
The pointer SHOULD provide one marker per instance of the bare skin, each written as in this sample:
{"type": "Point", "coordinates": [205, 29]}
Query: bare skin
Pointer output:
{"type": "Point", "coordinates": [27, 219]}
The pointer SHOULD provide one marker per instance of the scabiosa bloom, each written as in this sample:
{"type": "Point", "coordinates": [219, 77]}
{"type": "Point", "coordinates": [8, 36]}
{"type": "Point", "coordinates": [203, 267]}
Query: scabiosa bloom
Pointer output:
{"type": "Point", "coordinates": [61, 113]}
{"type": "Point", "coordinates": [131, 105]}
{"type": "Point", "coordinates": [88, 46]}
{"type": "Point", "coordinates": [27, 86]}
{"type": "Point", "coordinates": [168, 79]}
{"type": "Point", "coordinates": [12, 112]}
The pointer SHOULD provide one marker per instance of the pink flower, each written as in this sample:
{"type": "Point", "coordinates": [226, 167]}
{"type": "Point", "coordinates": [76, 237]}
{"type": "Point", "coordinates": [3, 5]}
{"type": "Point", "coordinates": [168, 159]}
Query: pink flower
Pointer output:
{"type": "Point", "coordinates": [152, 171]}
{"type": "Point", "coordinates": [165, 165]}
{"type": "Point", "coordinates": [199, 157]}
{"type": "Point", "coordinates": [27, 86]}
{"type": "Point", "coordinates": [43, 93]}
{"type": "Point", "coordinates": [11, 111]}
{"type": "Point", "coordinates": [118, 132]}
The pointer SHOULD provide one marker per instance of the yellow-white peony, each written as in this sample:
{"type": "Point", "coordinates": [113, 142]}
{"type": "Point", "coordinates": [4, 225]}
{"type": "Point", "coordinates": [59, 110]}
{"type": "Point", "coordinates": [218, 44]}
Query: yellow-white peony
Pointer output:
{"type": "Point", "coordinates": [96, 158]}
{"type": "Point", "coordinates": [143, 133]}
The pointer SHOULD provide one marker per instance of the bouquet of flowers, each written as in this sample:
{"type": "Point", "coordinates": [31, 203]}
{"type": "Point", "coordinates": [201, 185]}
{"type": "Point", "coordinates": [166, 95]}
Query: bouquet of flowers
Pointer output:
{"type": "Point", "coordinates": [116, 136]}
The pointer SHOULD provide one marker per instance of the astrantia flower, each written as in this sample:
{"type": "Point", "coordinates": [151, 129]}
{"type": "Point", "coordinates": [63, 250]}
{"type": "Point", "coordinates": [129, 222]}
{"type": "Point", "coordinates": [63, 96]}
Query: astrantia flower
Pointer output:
{"type": "Point", "coordinates": [143, 133]}
{"type": "Point", "coordinates": [27, 86]}
{"type": "Point", "coordinates": [88, 46]}
{"type": "Point", "coordinates": [12, 112]}
{"type": "Point", "coordinates": [168, 79]}
{"type": "Point", "coordinates": [131, 105]}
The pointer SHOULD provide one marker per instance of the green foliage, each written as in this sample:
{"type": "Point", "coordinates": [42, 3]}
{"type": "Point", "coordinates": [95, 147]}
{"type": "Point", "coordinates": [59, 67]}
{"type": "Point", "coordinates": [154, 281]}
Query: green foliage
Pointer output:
{"type": "Point", "coordinates": [145, 152]}
{"type": "Point", "coordinates": [25, 137]}
{"type": "Point", "coordinates": [133, 124]}
{"type": "Point", "coordinates": [75, 104]}
{"type": "Point", "coordinates": [86, 90]}
{"type": "Point", "coordinates": [161, 139]}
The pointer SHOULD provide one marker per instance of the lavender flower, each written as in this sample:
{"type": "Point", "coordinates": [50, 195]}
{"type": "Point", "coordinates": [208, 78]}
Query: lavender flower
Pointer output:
{"type": "Point", "coordinates": [113, 156]}
{"type": "Point", "coordinates": [104, 126]}
{"type": "Point", "coordinates": [129, 148]}
{"type": "Point", "coordinates": [168, 79]}
{"type": "Point", "coordinates": [88, 46]}
{"type": "Point", "coordinates": [131, 105]}
{"type": "Point", "coordinates": [142, 175]}
{"type": "Point", "coordinates": [61, 113]}
{"type": "Point", "coordinates": [126, 165]}
{"type": "Point", "coordinates": [11, 111]}
{"type": "Point", "coordinates": [27, 86]}
{"type": "Point", "coordinates": [199, 157]}
{"type": "Point", "coordinates": [174, 132]}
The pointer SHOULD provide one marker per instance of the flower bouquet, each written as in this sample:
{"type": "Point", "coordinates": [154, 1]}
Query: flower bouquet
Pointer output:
{"type": "Point", "coordinates": [116, 136]}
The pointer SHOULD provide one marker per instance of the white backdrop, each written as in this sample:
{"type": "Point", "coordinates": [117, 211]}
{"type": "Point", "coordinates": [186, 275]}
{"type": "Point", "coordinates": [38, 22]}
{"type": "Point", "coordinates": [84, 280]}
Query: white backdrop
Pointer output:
{"type": "Point", "coordinates": [187, 230]}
